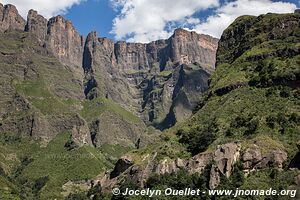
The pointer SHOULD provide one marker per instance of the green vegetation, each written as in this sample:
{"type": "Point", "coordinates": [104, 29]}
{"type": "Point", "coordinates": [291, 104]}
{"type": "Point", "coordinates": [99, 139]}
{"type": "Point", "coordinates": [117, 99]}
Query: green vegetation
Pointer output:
{"type": "Point", "coordinates": [94, 108]}
{"type": "Point", "coordinates": [113, 152]}
{"type": "Point", "coordinates": [165, 73]}
{"type": "Point", "coordinates": [36, 168]}
{"type": "Point", "coordinates": [43, 170]}
{"type": "Point", "coordinates": [267, 103]}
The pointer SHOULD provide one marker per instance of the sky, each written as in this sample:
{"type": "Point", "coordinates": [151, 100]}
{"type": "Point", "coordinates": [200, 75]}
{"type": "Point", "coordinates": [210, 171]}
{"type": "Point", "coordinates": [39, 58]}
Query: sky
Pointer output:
{"type": "Point", "coordinates": [148, 20]}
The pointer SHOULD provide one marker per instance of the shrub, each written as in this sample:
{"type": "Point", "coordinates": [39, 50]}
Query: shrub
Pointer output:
{"type": "Point", "coordinates": [294, 118]}
{"type": "Point", "coordinates": [70, 145]}
{"type": "Point", "coordinates": [39, 184]}
{"type": "Point", "coordinates": [251, 127]}
{"type": "Point", "coordinates": [198, 139]}
{"type": "Point", "coordinates": [271, 120]}
{"type": "Point", "coordinates": [239, 121]}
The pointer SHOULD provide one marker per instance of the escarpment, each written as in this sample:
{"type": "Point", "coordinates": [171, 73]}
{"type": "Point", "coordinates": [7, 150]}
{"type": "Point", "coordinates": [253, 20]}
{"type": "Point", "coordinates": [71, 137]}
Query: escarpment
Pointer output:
{"type": "Point", "coordinates": [151, 79]}
{"type": "Point", "coordinates": [159, 82]}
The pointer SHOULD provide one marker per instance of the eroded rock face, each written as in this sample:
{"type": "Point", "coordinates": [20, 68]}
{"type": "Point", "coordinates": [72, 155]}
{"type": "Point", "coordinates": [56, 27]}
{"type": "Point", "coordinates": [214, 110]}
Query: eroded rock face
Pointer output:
{"type": "Point", "coordinates": [189, 47]}
{"type": "Point", "coordinates": [36, 24]}
{"type": "Point", "coordinates": [10, 18]}
{"type": "Point", "coordinates": [253, 159]}
{"type": "Point", "coordinates": [223, 158]}
{"type": "Point", "coordinates": [60, 36]}
{"type": "Point", "coordinates": [65, 41]}
{"type": "Point", "coordinates": [220, 163]}
{"type": "Point", "coordinates": [122, 164]}
{"type": "Point", "coordinates": [159, 81]}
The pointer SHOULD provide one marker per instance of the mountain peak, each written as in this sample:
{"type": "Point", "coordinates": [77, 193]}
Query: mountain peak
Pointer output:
{"type": "Point", "coordinates": [10, 18]}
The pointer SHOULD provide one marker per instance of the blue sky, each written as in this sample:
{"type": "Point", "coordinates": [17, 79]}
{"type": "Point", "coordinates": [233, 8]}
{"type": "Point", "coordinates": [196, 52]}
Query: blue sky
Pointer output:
{"type": "Point", "coordinates": [147, 20]}
{"type": "Point", "coordinates": [91, 15]}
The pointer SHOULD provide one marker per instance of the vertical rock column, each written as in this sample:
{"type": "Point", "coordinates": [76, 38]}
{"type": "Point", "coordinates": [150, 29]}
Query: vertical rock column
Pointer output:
{"type": "Point", "coordinates": [36, 24]}
{"type": "Point", "coordinates": [65, 41]}
{"type": "Point", "coordinates": [10, 18]}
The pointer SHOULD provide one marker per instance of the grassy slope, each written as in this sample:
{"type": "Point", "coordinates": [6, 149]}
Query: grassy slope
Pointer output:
{"type": "Point", "coordinates": [51, 91]}
{"type": "Point", "coordinates": [260, 64]}
{"type": "Point", "coordinates": [54, 162]}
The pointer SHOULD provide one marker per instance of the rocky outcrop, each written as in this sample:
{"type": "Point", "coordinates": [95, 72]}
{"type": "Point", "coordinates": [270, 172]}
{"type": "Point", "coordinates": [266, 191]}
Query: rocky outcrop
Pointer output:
{"type": "Point", "coordinates": [220, 163]}
{"type": "Point", "coordinates": [10, 18]}
{"type": "Point", "coordinates": [223, 160]}
{"type": "Point", "coordinates": [251, 157]}
{"type": "Point", "coordinates": [254, 160]}
{"type": "Point", "coordinates": [122, 164]}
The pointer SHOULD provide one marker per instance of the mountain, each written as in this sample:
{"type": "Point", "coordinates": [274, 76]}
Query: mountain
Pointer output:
{"type": "Point", "coordinates": [71, 106]}
{"type": "Point", "coordinates": [245, 130]}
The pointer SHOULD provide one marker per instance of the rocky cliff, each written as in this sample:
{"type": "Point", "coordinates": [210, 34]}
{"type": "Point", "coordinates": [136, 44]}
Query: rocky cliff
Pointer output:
{"type": "Point", "coordinates": [10, 18]}
{"type": "Point", "coordinates": [160, 81]}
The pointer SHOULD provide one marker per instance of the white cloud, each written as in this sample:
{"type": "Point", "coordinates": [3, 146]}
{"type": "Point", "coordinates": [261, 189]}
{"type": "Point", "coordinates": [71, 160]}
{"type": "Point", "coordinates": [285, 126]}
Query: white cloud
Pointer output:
{"type": "Point", "coordinates": [146, 20]}
{"type": "Point", "coordinates": [225, 15]}
{"type": "Point", "coordinates": [48, 8]}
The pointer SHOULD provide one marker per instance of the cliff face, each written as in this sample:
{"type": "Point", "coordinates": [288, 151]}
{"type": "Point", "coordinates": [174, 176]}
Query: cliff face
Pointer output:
{"type": "Point", "coordinates": [60, 36]}
{"type": "Point", "coordinates": [65, 41]}
{"type": "Point", "coordinates": [190, 47]}
{"type": "Point", "coordinates": [153, 80]}
{"type": "Point", "coordinates": [37, 24]}
{"type": "Point", "coordinates": [10, 18]}
{"type": "Point", "coordinates": [160, 81]}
